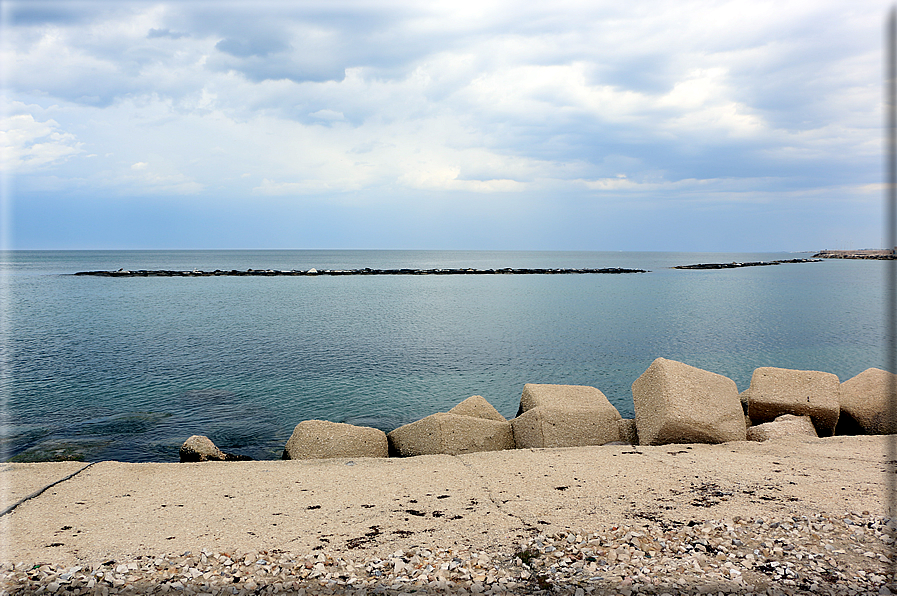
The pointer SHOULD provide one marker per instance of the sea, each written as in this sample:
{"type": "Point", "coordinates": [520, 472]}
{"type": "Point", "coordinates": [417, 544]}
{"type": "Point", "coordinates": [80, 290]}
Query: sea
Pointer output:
{"type": "Point", "coordinates": [100, 368]}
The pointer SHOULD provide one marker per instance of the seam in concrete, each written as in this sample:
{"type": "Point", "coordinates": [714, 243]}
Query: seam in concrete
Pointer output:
{"type": "Point", "coordinates": [485, 487]}
{"type": "Point", "coordinates": [37, 493]}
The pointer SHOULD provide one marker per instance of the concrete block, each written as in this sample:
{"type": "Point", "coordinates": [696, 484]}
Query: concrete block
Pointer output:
{"type": "Point", "coordinates": [678, 403]}
{"type": "Point", "coordinates": [320, 439]}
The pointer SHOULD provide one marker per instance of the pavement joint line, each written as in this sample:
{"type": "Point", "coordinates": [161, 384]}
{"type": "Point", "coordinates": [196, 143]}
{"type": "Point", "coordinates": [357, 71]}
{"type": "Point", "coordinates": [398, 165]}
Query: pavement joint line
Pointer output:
{"type": "Point", "coordinates": [39, 492]}
{"type": "Point", "coordinates": [485, 487]}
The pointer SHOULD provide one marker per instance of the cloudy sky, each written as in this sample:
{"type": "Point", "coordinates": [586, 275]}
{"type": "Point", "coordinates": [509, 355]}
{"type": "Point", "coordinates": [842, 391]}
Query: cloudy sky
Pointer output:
{"type": "Point", "coordinates": [585, 125]}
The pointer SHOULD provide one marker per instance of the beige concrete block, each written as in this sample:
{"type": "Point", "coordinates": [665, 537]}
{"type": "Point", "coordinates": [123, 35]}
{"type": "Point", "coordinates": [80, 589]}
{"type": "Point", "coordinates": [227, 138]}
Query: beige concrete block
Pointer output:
{"type": "Point", "coordinates": [628, 431]}
{"type": "Point", "coordinates": [320, 439]}
{"type": "Point", "coordinates": [871, 399]}
{"type": "Point", "coordinates": [786, 425]}
{"type": "Point", "coordinates": [564, 416]}
{"type": "Point", "coordinates": [545, 426]}
{"type": "Point", "coordinates": [745, 397]}
{"type": "Point", "coordinates": [537, 395]}
{"type": "Point", "coordinates": [678, 403]}
{"type": "Point", "coordinates": [451, 434]}
{"type": "Point", "coordinates": [777, 391]}
{"type": "Point", "coordinates": [477, 407]}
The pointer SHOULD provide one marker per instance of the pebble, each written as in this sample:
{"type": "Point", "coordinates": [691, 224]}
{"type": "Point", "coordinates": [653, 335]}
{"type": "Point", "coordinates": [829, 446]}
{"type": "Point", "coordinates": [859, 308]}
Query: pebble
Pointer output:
{"type": "Point", "coordinates": [845, 555]}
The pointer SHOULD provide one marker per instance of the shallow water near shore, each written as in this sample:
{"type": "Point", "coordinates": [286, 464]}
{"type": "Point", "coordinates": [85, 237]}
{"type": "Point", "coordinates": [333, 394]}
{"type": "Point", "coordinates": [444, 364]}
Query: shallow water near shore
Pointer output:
{"type": "Point", "coordinates": [127, 368]}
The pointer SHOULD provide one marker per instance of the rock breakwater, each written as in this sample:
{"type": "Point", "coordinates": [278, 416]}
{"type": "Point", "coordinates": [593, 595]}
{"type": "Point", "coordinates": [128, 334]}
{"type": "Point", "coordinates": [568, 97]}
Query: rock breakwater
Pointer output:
{"type": "Point", "coordinates": [674, 404]}
{"type": "Point", "coordinates": [736, 265]}
{"type": "Point", "coordinates": [338, 272]}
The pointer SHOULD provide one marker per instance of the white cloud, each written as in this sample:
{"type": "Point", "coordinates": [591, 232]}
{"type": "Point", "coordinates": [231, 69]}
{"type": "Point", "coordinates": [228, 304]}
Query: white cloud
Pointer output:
{"type": "Point", "coordinates": [28, 144]}
{"type": "Point", "coordinates": [271, 188]}
{"type": "Point", "coordinates": [329, 115]}
{"type": "Point", "coordinates": [400, 99]}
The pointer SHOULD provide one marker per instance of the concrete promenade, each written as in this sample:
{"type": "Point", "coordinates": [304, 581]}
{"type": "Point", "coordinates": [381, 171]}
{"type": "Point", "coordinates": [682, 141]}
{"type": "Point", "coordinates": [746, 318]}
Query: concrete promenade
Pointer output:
{"type": "Point", "coordinates": [113, 510]}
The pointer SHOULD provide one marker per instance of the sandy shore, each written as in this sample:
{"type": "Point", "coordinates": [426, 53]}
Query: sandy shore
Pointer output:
{"type": "Point", "coordinates": [499, 504]}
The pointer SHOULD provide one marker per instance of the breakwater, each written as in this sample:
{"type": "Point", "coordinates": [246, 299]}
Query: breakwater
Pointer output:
{"type": "Point", "coordinates": [736, 265]}
{"type": "Point", "coordinates": [365, 271]}
{"type": "Point", "coordinates": [406, 271]}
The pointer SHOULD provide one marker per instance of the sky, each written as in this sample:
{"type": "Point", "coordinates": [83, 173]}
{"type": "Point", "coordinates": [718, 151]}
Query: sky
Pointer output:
{"type": "Point", "coordinates": [521, 125]}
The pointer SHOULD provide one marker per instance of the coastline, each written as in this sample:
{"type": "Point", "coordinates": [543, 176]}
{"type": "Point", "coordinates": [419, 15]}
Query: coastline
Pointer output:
{"type": "Point", "coordinates": [497, 503]}
{"type": "Point", "coordinates": [883, 254]}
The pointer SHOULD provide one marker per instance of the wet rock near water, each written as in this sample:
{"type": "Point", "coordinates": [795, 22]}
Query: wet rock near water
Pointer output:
{"type": "Point", "coordinates": [198, 448]}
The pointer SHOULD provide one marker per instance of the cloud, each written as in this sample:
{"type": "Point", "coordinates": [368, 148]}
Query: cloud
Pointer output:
{"type": "Point", "coordinates": [582, 102]}
{"type": "Point", "coordinates": [28, 145]}
{"type": "Point", "coordinates": [329, 115]}
{"type": "Point", "coordinates": [156, 33]}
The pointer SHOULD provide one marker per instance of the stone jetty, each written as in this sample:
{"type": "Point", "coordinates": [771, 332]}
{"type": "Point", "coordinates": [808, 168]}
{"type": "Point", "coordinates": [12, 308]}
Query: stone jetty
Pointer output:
{"type": "Point", "coordinates": [736, 265]}
{"type": "Point", "coordinates": [335, 272]}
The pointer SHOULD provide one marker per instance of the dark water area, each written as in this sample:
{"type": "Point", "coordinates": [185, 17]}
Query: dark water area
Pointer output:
{"type": "Point", "coordinates": [101, 368]}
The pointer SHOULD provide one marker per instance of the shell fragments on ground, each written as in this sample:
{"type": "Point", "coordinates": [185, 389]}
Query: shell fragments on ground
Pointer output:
{"type": "Point", "coordinates": [844, 555]}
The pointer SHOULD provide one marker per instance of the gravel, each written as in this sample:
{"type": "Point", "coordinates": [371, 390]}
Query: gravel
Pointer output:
{"type": "Point", "coordinates": [844, 555]}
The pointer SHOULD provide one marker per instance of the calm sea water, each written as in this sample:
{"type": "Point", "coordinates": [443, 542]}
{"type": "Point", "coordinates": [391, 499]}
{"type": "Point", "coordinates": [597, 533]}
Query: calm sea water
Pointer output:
{"type": "Point", "coordinates": [127, 368]}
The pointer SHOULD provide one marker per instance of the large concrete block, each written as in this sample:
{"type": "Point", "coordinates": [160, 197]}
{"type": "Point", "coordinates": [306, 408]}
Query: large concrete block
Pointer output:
{"type": "Point", "coordinates": [678, 403]}
{"type": "Point", "coordinates": [777, 391]}
{"type": "Point", "coordinates": [452, 434]}
{"type": "Point", "coordinates": [565, 427]}
{"type": "Point", "coordinates": [564, 416]}
{"type": "Point", "coordinates": [786, 425]}
{"type": "Point", "coordinates": [477, 407]}
{"type": "Point", "coordinates": [871, 399]}
{"type": "Point", "coordinates": [628, 431]}
{"type": "Point", "coordinates": [320, 439]}
{"type": "Point", "coordinates": [580, 397]}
